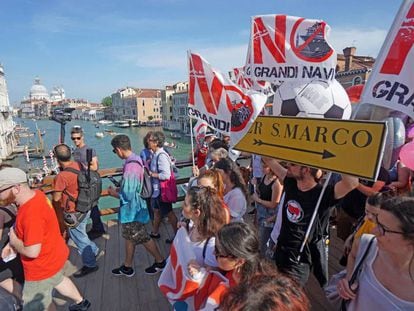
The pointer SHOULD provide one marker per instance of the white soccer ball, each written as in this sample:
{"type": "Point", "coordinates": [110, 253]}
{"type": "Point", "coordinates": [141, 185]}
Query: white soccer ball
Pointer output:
{"type": "Point", "coordinates": [317, 99]}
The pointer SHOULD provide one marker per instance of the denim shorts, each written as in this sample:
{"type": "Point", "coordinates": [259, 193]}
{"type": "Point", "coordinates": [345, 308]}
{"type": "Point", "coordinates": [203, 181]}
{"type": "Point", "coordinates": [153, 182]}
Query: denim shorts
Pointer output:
{"type": "Point", "coordinates": [135, 232]}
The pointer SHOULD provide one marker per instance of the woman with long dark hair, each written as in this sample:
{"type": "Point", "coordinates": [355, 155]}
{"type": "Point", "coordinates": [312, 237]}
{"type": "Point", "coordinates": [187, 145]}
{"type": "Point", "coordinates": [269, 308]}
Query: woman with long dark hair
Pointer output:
{"type": "Point", "coordinates": [386, 281]}
{"type": "Point", "coordinates": [235, 191]}
{"type": "Point", "coordinates": [204, 208]}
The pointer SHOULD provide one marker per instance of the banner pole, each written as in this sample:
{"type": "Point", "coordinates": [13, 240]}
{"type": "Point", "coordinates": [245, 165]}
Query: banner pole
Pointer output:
{"type": "Point", "coordinates": [192, 141]}
{"type": "Point", "coordinates": [315, 213]}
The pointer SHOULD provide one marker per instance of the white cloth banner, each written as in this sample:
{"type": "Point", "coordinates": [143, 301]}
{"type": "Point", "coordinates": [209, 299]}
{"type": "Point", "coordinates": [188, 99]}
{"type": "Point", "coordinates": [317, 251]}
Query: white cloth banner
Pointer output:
{"type": "Point", "coordinates": [183, 291]}
{"type": "Point", "coordinates": [215, 99]}
{"type": "Point", "coordinates": [200, 130]}
{"type": "Point", "coordinates": [391, 83]}
{"type": "Point", "coordinates": [286, 48]}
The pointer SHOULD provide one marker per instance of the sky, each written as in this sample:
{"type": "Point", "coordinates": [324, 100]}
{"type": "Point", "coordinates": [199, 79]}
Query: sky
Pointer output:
{"type": "Point", "coordinates": [91, 48]}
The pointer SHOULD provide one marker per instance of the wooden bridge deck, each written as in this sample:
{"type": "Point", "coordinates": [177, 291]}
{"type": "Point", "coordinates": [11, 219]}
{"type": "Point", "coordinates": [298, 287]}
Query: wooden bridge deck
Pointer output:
{"type": "Point", "coordinates": [140, 292]}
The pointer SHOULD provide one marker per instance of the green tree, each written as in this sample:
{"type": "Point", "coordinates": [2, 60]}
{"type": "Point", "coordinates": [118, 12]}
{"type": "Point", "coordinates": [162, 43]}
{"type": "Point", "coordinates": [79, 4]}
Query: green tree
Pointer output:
{"type": "Point", "coordinates": [107, 101]}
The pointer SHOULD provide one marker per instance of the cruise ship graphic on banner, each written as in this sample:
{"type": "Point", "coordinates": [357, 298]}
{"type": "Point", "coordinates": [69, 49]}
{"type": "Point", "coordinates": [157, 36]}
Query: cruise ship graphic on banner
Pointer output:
{"type": "Point", "coordinates": [317, 46]}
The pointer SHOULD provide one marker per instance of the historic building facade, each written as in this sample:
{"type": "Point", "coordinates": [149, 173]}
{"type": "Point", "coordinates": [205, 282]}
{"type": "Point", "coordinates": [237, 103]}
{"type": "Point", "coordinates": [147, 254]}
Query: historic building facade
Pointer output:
{"type": "Point", "coordinates": [352, 69]}
{"type": "Point", "coordinates": [138, 104]}
{"type": "Point", "coordinates": [7, 138]}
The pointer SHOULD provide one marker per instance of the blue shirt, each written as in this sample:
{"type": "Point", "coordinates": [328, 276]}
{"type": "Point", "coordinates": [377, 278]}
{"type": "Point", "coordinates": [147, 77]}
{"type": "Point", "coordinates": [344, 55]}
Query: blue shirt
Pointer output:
{"type": "Point", "coordinates": [132, 206]}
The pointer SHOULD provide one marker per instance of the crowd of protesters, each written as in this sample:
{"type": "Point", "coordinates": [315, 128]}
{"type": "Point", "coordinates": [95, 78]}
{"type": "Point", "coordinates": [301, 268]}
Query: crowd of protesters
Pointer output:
{"type": "Point", "coordinates": [265, 261]}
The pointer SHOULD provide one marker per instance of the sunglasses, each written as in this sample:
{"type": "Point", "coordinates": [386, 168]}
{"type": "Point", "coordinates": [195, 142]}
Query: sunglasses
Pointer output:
{"type": "Point", "coordinates": [382, 230]}
{"type": "Point", "coordinates": [219, 254]}
{"type": "Point", "coordinates": [76, 138]}
{"type": "Point", "coordinates": [9, 187]}
{"type": "Point", "coordinates": [114, 150]}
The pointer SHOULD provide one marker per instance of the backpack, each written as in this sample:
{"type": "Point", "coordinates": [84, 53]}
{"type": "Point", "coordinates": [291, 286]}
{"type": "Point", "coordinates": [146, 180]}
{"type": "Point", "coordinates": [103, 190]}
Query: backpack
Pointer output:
{"type": "Point", "coordinates": [146, 190]}
{"type": "Point", "coordinates": [8, 302]}
{"type": "Point", "coordinates": [89, 189]}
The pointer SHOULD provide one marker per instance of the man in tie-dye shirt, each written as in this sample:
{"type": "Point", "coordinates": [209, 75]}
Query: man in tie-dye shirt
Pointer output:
{"type": "Point", "coordinates": [133, 212]}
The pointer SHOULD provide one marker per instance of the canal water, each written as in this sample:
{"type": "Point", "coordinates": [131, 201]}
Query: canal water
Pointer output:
{"type": "Point", "coordinates": [102, 145]}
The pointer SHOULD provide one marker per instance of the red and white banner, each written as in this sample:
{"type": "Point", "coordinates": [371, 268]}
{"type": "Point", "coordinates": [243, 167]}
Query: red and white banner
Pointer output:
{"type": "Point", "coordinates": [391, 83]}
{"type": "Point", "coordinates": [286, 48]}
{"type": "Point", "coordinates": [200, 130]}
{"type": "Point", "coordinates": [184, 292]}
{"type": "Point", "coordinates": [215, 99]}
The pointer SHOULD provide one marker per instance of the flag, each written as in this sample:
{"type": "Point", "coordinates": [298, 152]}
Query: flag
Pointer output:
{"type": "Point", "coordinates": [183, 291]}
{"type": "Point", "coordinates": [219, 102]}
{"type": "Point", "coordinates": [391, 83]}
{"type": "Point", "coordinates": [289, 48]}
{"type": "Point", "coordinates": [200, 130]}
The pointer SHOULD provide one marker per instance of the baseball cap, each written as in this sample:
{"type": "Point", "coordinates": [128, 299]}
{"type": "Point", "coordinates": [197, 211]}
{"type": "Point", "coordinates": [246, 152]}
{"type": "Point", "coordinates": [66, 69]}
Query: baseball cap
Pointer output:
{"type": "Point", "coordinates": [10, 176]}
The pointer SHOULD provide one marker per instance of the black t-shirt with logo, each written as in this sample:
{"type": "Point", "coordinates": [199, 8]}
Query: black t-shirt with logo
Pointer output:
{"type": "Point", "coordinates": [297, 212]}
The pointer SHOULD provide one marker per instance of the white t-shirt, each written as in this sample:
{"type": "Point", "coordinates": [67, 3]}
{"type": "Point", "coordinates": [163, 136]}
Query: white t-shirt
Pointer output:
{"type": "Point", "coordinates": [210, 258]}
{"type": "Point", "coordinates": [236, 201]}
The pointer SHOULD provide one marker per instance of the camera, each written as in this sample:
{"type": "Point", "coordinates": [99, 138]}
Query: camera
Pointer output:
{"type": "Point", "coordinates": [62, 115]}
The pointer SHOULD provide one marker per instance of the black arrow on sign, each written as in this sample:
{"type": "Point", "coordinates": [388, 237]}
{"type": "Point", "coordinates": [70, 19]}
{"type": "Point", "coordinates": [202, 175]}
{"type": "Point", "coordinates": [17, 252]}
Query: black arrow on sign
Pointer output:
{"type": "Point", "coordinates": [325, 153]}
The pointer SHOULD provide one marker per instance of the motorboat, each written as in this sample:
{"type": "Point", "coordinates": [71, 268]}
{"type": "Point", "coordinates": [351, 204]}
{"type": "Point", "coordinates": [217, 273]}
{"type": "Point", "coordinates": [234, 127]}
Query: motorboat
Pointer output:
{"type": "Point", "coordinates": [122, 124]}
{"type": "Point", "coordinates": [175, 136]}
{"type": "Point", "coordinates": [99, 134]}
{"type": "Point", "coordinates": [105, 122]}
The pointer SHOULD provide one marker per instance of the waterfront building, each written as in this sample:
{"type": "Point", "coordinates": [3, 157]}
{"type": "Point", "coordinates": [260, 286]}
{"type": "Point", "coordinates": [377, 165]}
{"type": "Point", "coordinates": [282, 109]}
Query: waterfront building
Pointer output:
{"type": "Point", "coordinates": [167, 108]}
{"type": "Point", "coordinates": [38, 103]}
{"type": "Point", "coordinates": [7, 138]}
{"type": "Point", "coordinates": [352, 69]}
{"type": "Point", "coordinates": [180, 107]}
{"type": "Point", "coordinates": [142, 105]}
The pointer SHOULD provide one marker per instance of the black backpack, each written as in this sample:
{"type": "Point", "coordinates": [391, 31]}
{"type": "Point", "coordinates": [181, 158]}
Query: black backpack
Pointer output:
{"type": "Point", "coordinates": [89, 189]}
{"type": "Point", "coordinates": [147, 190]}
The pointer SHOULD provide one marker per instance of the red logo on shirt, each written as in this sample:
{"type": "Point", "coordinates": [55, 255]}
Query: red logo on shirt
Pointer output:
{"type": "Point", "coordinates": [294, 211]}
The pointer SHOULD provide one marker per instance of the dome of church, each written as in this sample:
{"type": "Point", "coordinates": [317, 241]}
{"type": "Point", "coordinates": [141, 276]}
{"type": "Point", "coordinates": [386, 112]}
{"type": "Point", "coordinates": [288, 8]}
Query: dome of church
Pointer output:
{"type": "Point", "coordinates": [38, 91]}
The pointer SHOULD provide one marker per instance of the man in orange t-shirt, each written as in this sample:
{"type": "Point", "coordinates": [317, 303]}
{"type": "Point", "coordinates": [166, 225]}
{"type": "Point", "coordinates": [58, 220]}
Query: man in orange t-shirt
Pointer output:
{"type": "Point", "coordinates": [65, 184]}
{"type": "Point", "coordinates": [37, 239]}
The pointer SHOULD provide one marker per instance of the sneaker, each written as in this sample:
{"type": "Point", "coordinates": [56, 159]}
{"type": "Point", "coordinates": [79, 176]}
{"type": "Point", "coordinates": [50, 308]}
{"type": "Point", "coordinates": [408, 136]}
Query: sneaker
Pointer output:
{"type": "Point", "coordinates": [93, 234]}
{"type": "Point", "coordinates": [85, 271]}
{"type": "Point", "coordinates": [155, 236]}
{"type": "Point", "coordinates": [122, 270]}
{"type": "Point", "coordinates": [156, 267]}
{"type": "Point", "coordinates": [81, 306]}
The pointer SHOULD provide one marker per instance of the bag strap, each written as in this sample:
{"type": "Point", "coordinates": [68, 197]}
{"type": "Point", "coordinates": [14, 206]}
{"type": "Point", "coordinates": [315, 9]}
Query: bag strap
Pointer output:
{"type": "Point", "coordinates": [358, 269]}
{"type": "Point", "coordinates": [77, 172]}
{"type": "Point", "coordinates": [156, 161]}
{"type": "Point", "coordinates": [134, 161]}
{"type": "Point", "coordinates": [72, 170]}
{"type": "Point", "coordinates": [205, 248]}
{"type": "Point", "coordinates": [9, 212]}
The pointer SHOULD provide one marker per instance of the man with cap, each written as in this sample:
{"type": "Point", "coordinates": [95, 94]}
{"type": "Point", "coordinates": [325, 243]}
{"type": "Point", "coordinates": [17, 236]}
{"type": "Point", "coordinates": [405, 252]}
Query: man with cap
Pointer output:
{"type": "Point", "coordinates": [36, 237]}
{"type": "Point", "coordinates": [79, 155]}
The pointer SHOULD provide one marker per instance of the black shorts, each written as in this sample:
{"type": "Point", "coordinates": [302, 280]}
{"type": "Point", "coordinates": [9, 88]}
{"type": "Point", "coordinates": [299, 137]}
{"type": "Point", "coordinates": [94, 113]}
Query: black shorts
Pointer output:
{"type": "Point", "coordinates": [163, 207]}
{"type": "Point", "coordinates": [12, 269]}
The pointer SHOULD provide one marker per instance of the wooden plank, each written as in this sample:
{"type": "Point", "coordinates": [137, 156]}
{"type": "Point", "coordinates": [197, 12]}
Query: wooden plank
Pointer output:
{"type": "Point", "coordinates": [111, 294]}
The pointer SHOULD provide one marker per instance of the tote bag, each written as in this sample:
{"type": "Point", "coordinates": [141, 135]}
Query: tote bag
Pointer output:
{"type": "Point", "coordinates": [168, 187]}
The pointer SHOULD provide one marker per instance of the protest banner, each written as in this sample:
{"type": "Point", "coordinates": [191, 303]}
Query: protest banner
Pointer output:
{"type": "Point", "coordinates": [286, 48]}
{"type": "Point", "coordinates": [222, 104]}
{"type": "Point", "coordinates": [183, 291]}
{"type": "Point", "coordinates": [391, 83]}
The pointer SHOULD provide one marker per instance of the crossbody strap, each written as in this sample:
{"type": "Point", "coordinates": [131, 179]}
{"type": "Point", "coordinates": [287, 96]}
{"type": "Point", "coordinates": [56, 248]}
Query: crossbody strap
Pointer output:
{"type": "Point", "coordinates": [358, 269]}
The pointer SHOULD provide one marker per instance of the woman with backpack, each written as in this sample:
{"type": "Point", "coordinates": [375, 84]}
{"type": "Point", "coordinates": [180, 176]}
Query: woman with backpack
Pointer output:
{"type": "Point", "coordinates": [161, 172]}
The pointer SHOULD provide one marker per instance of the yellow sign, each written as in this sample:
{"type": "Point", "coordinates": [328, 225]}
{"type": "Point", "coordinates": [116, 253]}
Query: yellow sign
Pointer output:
{"type": "Point", "coordinates": [344, 146]}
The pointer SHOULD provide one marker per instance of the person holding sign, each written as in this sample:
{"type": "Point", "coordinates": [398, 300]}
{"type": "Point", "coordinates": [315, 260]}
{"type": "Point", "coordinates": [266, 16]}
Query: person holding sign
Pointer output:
{"type": "Point", "coordinates": [302, 192]}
